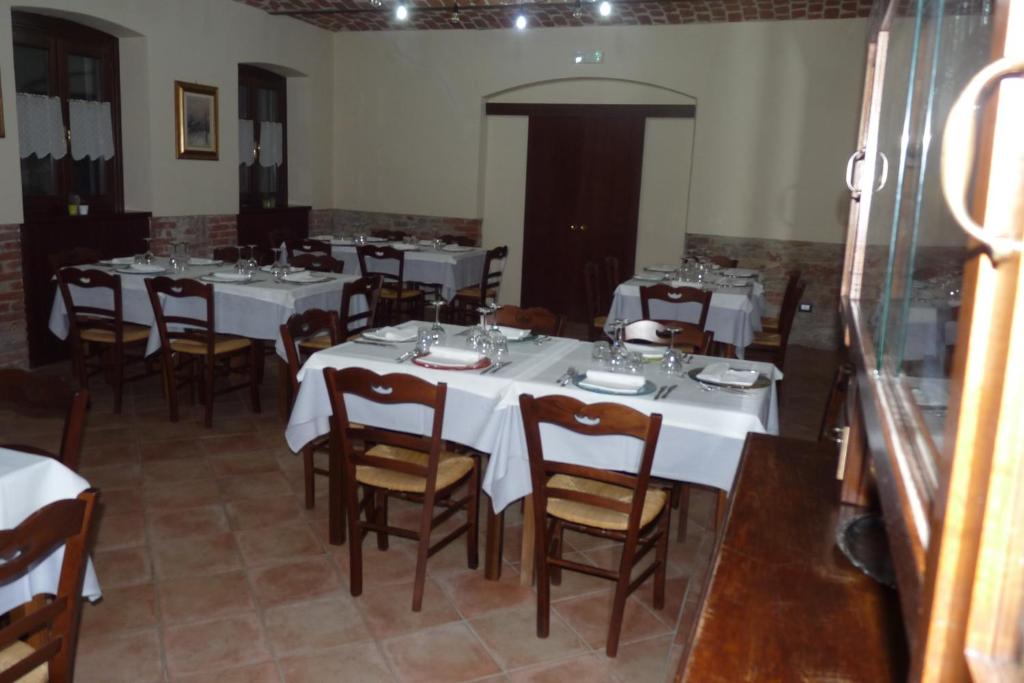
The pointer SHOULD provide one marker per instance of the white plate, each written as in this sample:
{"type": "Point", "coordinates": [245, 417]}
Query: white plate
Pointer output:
{"type": "Point", "coordinates": [118, 261]}
{"type": "Point", "coordinates": [143, 269]}
{"type": "Point", "coordinates": [456, 248]}
{"type": "Point", "coordinates": [401, 334]}
{"type": "Point", "coordinates": [646, 350]}
{"type": "Point", "coordinates": [661, 268]}
{"type": "Point", "coordinates": [227, 277]}
{"type": "Point", "coordinates": [291, 269]}
{"type": "Point", "coordinates": [648, 277]}
{"type": "Point", "coordinates": [402, 246]}
{"type": "Point", "coordinates": [306, 277]}
{"type": "Point", "coordinates": [738, 272]}
{"type": "Point", "coordinates": [196, 261]}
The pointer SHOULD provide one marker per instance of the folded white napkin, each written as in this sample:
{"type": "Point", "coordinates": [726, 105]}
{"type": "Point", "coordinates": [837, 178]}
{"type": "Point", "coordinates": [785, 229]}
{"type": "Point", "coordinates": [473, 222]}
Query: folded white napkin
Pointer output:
{"type": "Point", "coordinates": [614, 380]}
{"type": "Point", "coordinates": [721, 373]}
{"type": "Point", "coordinates": [684, 283]}
{"type": "Point", "coordinates": [648, 350]}
{"type": "Point", "coordinates": [303, 275]}
{"type": "Point", "coordinates": [121, 260]}
{"type": "Point", "coordinates": [456, 247]}
{"type": "Point", "coordinates": [652, 277]}
{"type": "Point", "coordinates": [146, 268]}
{"type": "Point", "coordinates": [392, 334]}
{"type": "Point", "coordinates": [404, 246]}
{"type": "Point", "coordinates": [661, 268]}
{"type": "Point", "coordinates": [290, 269]}
{"type": "Point", "coordinates": [739, 272]}
{"type": "Point", "coordinates": [229, 277]}
{"type": "Point", "coordinates": [371, 238]}
{"type": "Point", "coordinates": [450, 354]}
{"type": "Point", "coordinates": [514, 333]}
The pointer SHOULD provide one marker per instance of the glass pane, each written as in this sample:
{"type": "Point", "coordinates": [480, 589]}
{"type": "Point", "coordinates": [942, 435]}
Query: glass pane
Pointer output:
{"type": "Point", "coordinates": [900, 41]}
{"type": "Point", "coordinates": [32, 70]}
{"type": "Point", "coordinates": [88, 177]}
{"type": "Point", "coordinates": [243, 102]}
{"type": "Point", "coordinates": [266, 105]}
{"type": "Point", "coordinates": [85, 78]}
{"type": "Point", "coordinates": [38, 176]}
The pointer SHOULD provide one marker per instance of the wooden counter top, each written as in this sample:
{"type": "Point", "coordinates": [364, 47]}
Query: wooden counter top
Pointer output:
{"type": "Point", "coordinates": [782, 602]}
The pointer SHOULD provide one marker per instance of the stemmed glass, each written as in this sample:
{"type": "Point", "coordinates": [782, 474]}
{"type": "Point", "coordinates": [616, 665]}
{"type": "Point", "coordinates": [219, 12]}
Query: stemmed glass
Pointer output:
{"type": "Point", "coordinates": [148, 256]}
{"type": "Point", "coordinates": [479, 333]}
{"type": "Point", "coordinates": [252, 264]}
{"type": "Point", "coordinates": [672, 360]}
{"type": "Point", "coordinates": [172, 257]}
{"type": "Point", "coordinates": [437, 332]}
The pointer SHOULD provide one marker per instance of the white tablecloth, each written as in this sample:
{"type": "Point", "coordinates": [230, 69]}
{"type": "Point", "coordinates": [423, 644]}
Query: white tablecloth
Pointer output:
{"type": "Point", "coordinates": [254, 310]}
{"type": "Point", "coordinates": [27, 483]}
{"type": "Point", "coordinates": [702, 433]}
{"type": "Point", "coordinates": [734, 316]}
{"type": "Point", "coordinates": [452, 270]}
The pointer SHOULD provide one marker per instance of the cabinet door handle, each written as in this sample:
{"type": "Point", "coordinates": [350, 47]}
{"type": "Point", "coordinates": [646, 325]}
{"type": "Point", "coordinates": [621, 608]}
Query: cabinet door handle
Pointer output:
{"type": "Point", "coordinates": [885, 171]}
{"type": "Point", "coordinates": [855, 158]}
{"type": "Point", "coordinates": [583, 227]}
{"type": "Point", "coordinates": [958, 142]}
{"type": "Point", "coordinates": [572, 227]}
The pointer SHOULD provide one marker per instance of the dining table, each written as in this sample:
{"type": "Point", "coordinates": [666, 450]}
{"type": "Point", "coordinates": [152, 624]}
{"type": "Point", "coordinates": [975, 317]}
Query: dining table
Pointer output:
{"type": "Point", "coordinates": [450, 268]}
{"type": "Point", "coordinates": [254, 309]}
{"type": "Point", "coordinates": [734, 317]}
{"type": "Point", "coordinates": [702, 435]}
{"type": "Point", "coordinates": [29, 482]}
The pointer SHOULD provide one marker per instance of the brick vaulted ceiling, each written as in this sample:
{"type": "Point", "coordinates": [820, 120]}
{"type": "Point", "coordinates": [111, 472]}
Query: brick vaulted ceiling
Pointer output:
{"type": "Point", "coordinates": [361, 15]}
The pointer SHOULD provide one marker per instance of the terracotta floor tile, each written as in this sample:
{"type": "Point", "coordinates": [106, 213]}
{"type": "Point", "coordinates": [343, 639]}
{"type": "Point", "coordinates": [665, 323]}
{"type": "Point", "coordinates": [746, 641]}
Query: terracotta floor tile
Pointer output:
{"type": "Point", "coordinates": [255, 673]}
{"type": "Point", "coordinates": [123, 566]}
{"type": "Point", "coordinates": [253, 486]}
{"type": "Point", "coordinates": [443, 653]}
{"type": "Point", "coordinates": [195, 556]}
{"type": "Point", "coordinates": [292, 581]}
{"type": "Point", "coordinates": [575, 584]}
{"type": "Point", "coordinates": [113, 476]}
{"type": "Point", "coordinates": [121, 609]}
{"type": "Point", "coordinates": [215, 644]}
{"type": "Point", "coordinates": [163, 450]}
{"type": "Point", "coordinates": [589, 668]}
{"type": "Point", "coordinates": [160, 472]}
{"type": "Point", "coordinates": [132, 657]}
{"type": "Point", "coordinates": [238, 437]}
{"type": "Point", "coordinates": [205, 597]}
{"type": "Point", "coordinates": [232, 464]}
{"type": "Point", "coordinates": [98, 454]}
{"type": "Point", "coordinates": [251, 514]}
{"type": "Point", "coordinates": [183, 494]}
{"type": "Point", "coordinates": [473, 595]}
{"type": "Point", "coordinates": [121, 501]}
{"type": "Point", "coordinates": [358, 662]}
{"type": "Point", "coordinates": [590, 616]}
{"type": "Point", "coordinates": [380, 567]}
{"type": "Point", "coordinates": [511, 636]}
{"type": "Point", "coordinates": [120, 530]}
{"type": "Point", "coordinates": [277, 543]}
{"type": "Point", "coordinates": [208, 520]}
{"type": "Point", "coordinates": [646, 660]}
{"type": "Point", "coordinates": [307, 627]}
{"type": "Point", "coordinates": [388, 609]}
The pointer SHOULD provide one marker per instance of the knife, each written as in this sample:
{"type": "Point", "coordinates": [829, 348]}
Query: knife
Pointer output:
{"type": "Point", "coordinates": [373, 343]}
{"type": "Point", "coordinates": [668, 391]}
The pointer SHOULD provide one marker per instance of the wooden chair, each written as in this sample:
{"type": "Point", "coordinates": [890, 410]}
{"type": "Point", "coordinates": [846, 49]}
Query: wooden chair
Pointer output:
{"type": "Point", "coordinates": [53, 628]}
{"type": "Point", "coordinates": [304, 334]}
{"type": "Point", "coordinates": [395, 296]}
{"type": "Point", "coordinates": [467, 299]}
{"type": "Point", "coordinates": [539, 320]}
{"type": "Point", "coordinates": [32, 395]}
{"type": "Point", "coordinates": [688, 337]}
{"type": "Point", "coordinates": [306, 245]}
{"type": "Point", "coordinates": [597, 305]}
{"type": "Point", "coordinates": [194, 344]}
{"type": "Point", "coordinates": [103, 329]}
{"type": "Point", "coordinates": [596, 502]}
{"type": "Point", "coordinates": [352, 324]}
{"type": "Point", "coordinates": [834, 402]}
{"type": "Point", "coordinates": [771, 324]}
{"type": "Point", "coordinates": [772, 346]}
{"type": "Point", "coordinates": [76, 256]}
{"type": "Point", "coordinates": [321, 263]}
{"type": "Point", "coordinates": [675, 295]}
{"type": "Point", "coordinates": [231, 255]}
{"type": "Point", "coordinates": [461, 240]}
{"type": "Point", "coordinates": [723, 261]}
{"type": "Point", "coordinates": [400, 465]}
{"type": "Point", "coordinates": [611, 277]}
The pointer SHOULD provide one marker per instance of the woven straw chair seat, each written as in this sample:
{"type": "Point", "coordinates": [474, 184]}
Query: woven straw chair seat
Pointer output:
{"type": "Point", "coordinates": [321, 341]}
{"type": "Point", "coordinates": [769, 324]}
{"type": "Point", "coordinates": [602, 518]}
{"type": "Point", "coordinates": [132, 333]}
{"type": "Point", "coordinates": [600, 320]}
{"type": "Point", "coordinates": [221, 344]}
{"type": "Point", "coordinates": [767, 339]}
{"type": "Point", "coordinates": [474, 292]}
{"type": "Point", "coordinates": [450, 468]}
{"type": "Point", "coordinates": [18, 651]}
{"type": "Point", "coordinates": [403, 294]}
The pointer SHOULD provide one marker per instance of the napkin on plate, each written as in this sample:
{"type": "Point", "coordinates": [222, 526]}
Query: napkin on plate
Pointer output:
{"type": "Point", "coordinates": [738, 272]}
{"type": "Point", "coordinates": [648, 350]}
{"type": "Point", "coordinates": [660, 268]}
{"type": "Point", "coordinates": [514, 333]}
{"type": "Point", "coordinates": [392, 334]}
{"type": "Point", "coordinates": [614, 380]}
{"type": "Point", "coordinates": [120, 261]}
{"type": "Point", "coordinates": [684, 283]}
{"type": "Point", "coordinates": [405, 246]}
{"type": "Point", "coordinates": [450, 354]}
{"type": "Point", "coordinates": [146, 268]}
{"type": "Point", "coordinates": [456, 247]}
{"type": "Point", "coordinates": [229, 277]}
{"type": "Point", "coordinates": [303, 275]}
{"type": "Point", "coordinates": [721, 373]}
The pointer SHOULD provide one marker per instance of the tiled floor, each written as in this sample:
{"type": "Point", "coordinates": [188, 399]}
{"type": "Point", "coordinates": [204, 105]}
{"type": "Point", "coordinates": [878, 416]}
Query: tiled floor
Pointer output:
{"type": "Point", "coordinates": [212, 570]}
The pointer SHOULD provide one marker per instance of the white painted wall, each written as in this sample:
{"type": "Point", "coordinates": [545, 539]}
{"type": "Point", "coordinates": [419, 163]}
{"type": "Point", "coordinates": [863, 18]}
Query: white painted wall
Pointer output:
{"type": "Point", "coordinates": [200, 41]}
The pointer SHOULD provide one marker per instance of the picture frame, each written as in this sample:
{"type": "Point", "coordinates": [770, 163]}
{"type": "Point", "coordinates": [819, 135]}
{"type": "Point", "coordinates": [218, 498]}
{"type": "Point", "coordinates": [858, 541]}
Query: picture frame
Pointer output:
{"type": "Point", "coordinates": [196, 126]}
{"type": "Point", "coordinates": [2, 133]}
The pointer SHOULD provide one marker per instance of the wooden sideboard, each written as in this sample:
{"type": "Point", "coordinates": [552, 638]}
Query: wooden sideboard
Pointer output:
{"type": "Point", "coordinates": [263, 227]}
{"type": "Point", "coordinates": [112, 235]}
{"type": "Point", "coordinates": [782, 603]}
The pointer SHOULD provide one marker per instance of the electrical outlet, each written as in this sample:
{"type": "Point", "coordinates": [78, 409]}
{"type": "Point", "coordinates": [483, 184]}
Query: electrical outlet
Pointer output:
{"type": "Point", "coordinates": [806, 308]}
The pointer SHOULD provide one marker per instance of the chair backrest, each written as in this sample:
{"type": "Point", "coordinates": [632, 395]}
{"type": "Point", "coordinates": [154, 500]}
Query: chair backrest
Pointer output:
{"type": "Point", "coordinates": [322, 263]}
{"type": "Point", "coordinates": [538, 319]}
{"type": "Point", "coordinates": [592, 287]}
{"type": "Point", "coordinates": [792, 278]}
{"type": "Point", "coordinates": [354, 323]}
{"type": "Point", "coordinates": [307, 245]}
{"type": "Point", "coordinates": [596, 419]}
{"type": "Point", "coordinates": [836, 398]}
{"type": "Point", "coordinates": [29, 394]}
{"type": "Point", "coordinates": [302, 326]}
{"type": "Point", "coordinates": [688, 337]}
{"type": "Point", "coordinates": [392, 389]}
{"type": "Point", "coordinates": [199, 330]}
{"type": "Point", "coordinates": [788, 312]}
{"type": "Point", "coordinates": [392, 280]}
{"type": "Point", "coordinates": [76, 256]}
{"type": "Point", "coordinates": [231, 254]}
{"type": "Point", "coordinates": [67, 522]}
{"type": "Point", "coordinates": [461, 240]}
{"type": "Point", "coordinates": [675, 295]}
{"type": "Point", "coordinates": [490, 279]}
{"type": "Point", "coordinates": [723, 261]}
{"type": "Point", "coordinates": [95, 317]}
{"type": "Point", "coordinates": [611, 278]}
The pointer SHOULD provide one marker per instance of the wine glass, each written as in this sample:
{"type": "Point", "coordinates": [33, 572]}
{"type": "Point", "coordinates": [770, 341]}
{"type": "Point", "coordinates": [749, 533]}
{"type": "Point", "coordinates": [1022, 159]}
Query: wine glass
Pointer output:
{"type": "Point", "coordinates": [148, 256]}
{"type": "Point", "coordinates": [437, 330]}
{"type": "Point", "coordinates": [252, 264]}
{"type": "Point", "coordinates": [672, 360]}
{"type": "Point", "coordinates": [479, 332]}
{"type": "Point", "coordinates": [601, 354]}
{"type": "Point", "coordinates": [183, 255]}
{"type": "Point", "coordinates": [172, 257]}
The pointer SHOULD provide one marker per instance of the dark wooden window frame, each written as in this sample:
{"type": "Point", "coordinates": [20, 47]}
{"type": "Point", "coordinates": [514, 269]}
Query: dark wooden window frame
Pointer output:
{"type": "Point", "coordinates": [254, 77]}
{"type": "Point", "coordinates": [61, 38]}
{"type": "Point", "coordinates": [651, 111]}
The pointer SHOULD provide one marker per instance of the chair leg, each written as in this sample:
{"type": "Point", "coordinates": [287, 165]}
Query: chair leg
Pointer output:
{"type": "Point", "coordinates": [118, 370]}
{"type": "Point", "coordinates": [307, 476]}
{"type": "Point", "coordinates": [380, 516]}
{"type": "Point", "coordinates": [543, 578]}
{"type": "Point", "coordinates": [661, 557]}
{"type": "Point", "coordinates": [170, 385]}
{"type": "Point", "coordinates": [255, 375]}
{"type": "Point", "coordinates": [473, 518]}
{"type": "Point", "coordinates": [422, 549]}
{"type": "Point", "coordinates": [355, 538]}
{"type": "Point", "coordinates": [684, 511]}
{"type": "Point", "coordinates": [208, 370]}
{"type": "Point", "coordinates": [558, 542]}
{"type": "Point", "coordinates": [78, 363]}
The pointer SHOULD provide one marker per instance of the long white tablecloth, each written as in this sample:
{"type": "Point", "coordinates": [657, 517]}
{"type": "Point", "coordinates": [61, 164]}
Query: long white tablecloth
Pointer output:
{"type": "Point", "coordinates": [701, 439]}
{"type": "Point", "coordinates": [28, 483]}
{"type": "Point", "coordinates": [254, 310]}
{"type": "Point", "coordinates": [453, 270]}
{"type": "Point", "coordinates": [734, 316]}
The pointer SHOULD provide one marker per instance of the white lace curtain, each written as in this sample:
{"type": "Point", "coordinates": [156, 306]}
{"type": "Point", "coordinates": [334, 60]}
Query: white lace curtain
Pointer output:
{"type": "Point", "coordinates": [271, 143]}
{"type": "Point", "coordinates": [41, 128]}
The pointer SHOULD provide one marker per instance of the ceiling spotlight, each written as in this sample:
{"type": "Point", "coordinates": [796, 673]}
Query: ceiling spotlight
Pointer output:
{"type": "Point", "coordinates": [605, 8]}
{"type": "Point", "coordinates": [455, 18]}
{"type": "Point", "coordinates": [521, 21]}
{"type": "Point", "coordinates": [577, 11]}
{"type": "Point", "coordinates": [401, 12]}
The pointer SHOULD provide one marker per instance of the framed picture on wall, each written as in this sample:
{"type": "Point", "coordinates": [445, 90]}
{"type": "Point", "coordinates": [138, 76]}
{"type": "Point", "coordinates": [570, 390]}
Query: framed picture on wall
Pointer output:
{"type": "Point", "coordinates": [195, 121]}
{"type": "Point", "coordinates": [1, 112]}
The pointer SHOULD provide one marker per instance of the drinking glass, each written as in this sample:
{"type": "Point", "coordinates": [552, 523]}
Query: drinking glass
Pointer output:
{"type": "Point", "coordinates": [183, 256]}
{"type": "Point", "coordinates": [424, 340]}
{"type": "Point", "coordinates": [672, 360]}
{"type": "Point", "coordinates": [634, 363]}
{"type": "Point", "coordinates": [499, 347]}
{"type": "Point", "coordinates": [148, 256]}
{"type": "Point", "coordinates": [437, 329]}
{"type": "Point", "coordinates": [477, 334]}
{"type": "Point", "coordinates": [252, 264]}
{"type": "Point", "coordinates": [601, 354]}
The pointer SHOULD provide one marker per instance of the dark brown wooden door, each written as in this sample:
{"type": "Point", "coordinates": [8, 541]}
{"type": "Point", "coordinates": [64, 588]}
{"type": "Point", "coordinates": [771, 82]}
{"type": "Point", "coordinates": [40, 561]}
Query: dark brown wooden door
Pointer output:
{"type": "Point", "coordinates": [582, 199]}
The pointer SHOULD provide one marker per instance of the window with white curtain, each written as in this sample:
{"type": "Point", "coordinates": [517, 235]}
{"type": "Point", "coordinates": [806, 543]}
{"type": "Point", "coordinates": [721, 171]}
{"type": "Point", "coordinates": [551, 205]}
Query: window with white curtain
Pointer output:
{"type": "Point", "coordinates": [262, 140]}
